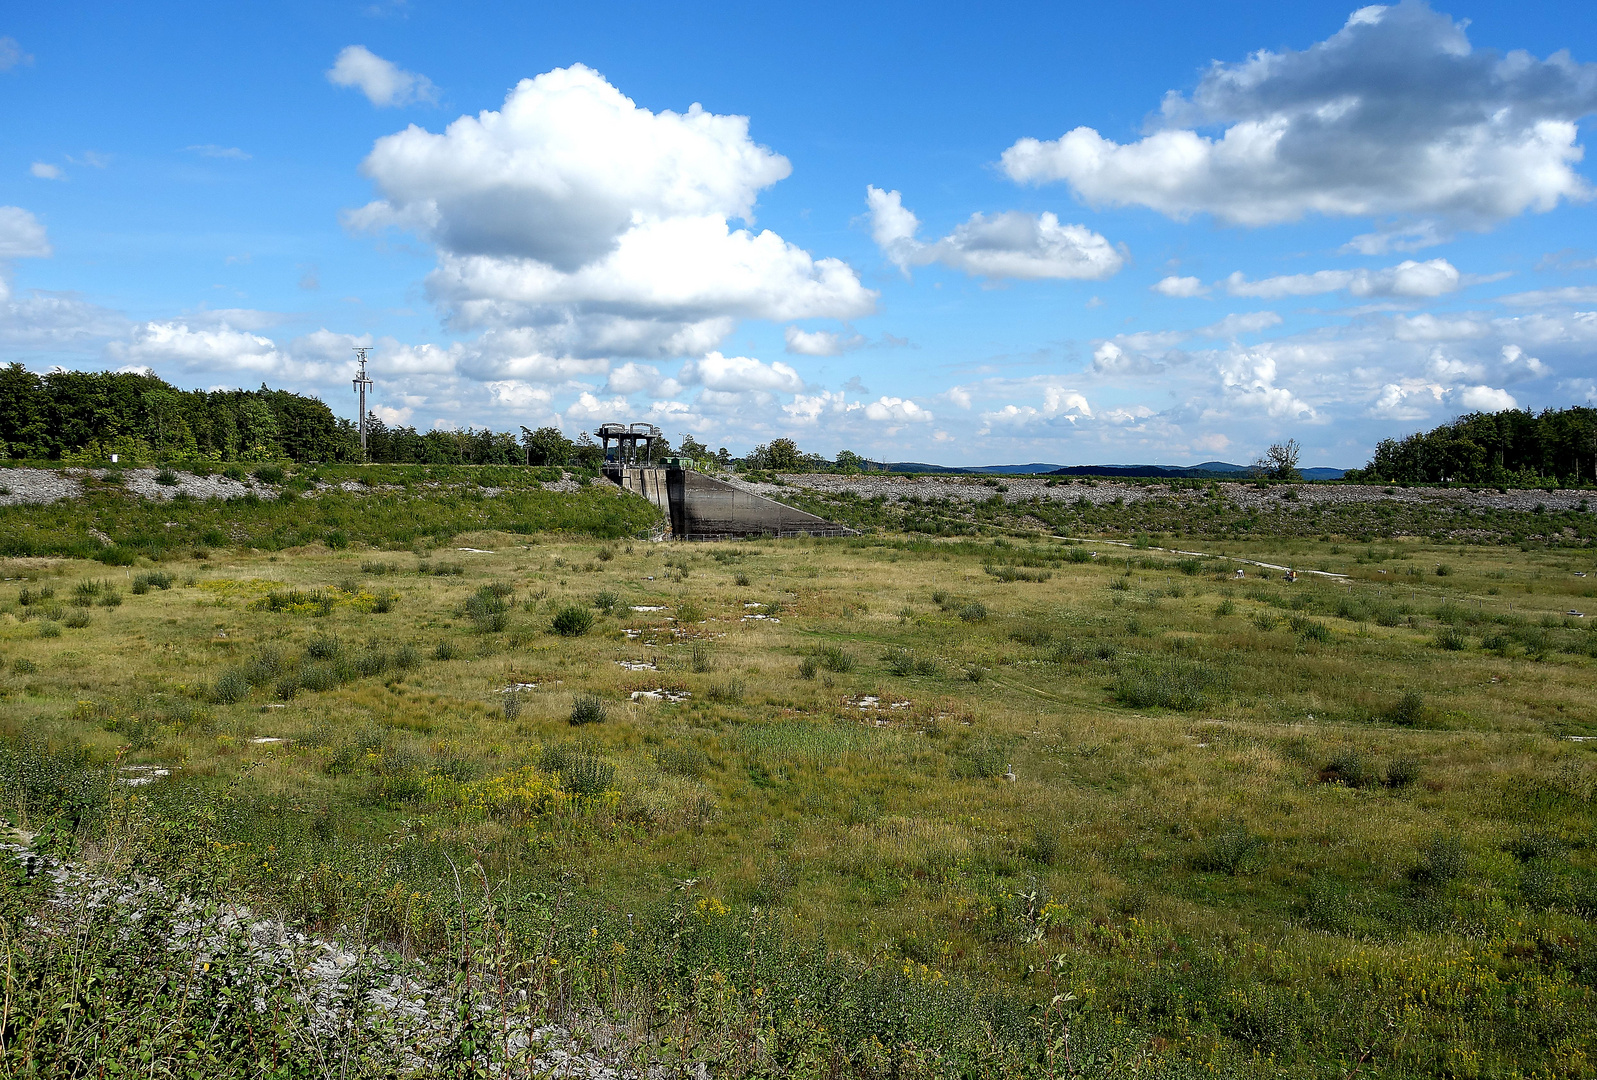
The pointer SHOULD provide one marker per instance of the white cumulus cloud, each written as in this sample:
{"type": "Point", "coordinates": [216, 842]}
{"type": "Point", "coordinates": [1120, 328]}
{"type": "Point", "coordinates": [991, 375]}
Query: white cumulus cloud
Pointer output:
{"type": "Point", "coordinates": [602, 224]}
{"type": "Point", "coordinates": [383, 82]}
{"type": "Point", "coordinates": [21, 235]}
{"type": "Point", "coordinates": [1182, 287]}
{"type": "Point", "coordinates": [819, 342]}
{"type": "Point", "coordinates": [1483, 399]}
{"type": "Point", "coordinates": [43, 170]}
{"type": "Point", "coordinates": [1394, 115]}
{"type": "Point", "coordinates": [735, 374]}
{"type": "Point", "coordinates": [892, 410]}
{"type": "Point", "coordinates": [1012, 245]}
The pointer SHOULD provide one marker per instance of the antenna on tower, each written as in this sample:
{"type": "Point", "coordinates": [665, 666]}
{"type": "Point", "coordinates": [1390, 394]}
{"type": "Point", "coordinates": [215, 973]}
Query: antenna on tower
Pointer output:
{"type": "Point", "coordinates": [362, 384]}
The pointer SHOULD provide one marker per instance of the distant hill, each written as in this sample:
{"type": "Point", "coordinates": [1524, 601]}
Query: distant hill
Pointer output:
{"type": "Point", "coordinates": [1208, 470]}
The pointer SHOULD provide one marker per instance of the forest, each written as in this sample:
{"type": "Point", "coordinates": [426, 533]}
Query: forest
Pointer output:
{"type": "Point", "coordinates": [1514, 447]}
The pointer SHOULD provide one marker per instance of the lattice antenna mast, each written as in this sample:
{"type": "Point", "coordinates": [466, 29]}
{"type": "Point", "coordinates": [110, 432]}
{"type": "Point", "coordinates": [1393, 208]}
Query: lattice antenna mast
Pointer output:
{"type": "Point", "coordinates": [362, 384]}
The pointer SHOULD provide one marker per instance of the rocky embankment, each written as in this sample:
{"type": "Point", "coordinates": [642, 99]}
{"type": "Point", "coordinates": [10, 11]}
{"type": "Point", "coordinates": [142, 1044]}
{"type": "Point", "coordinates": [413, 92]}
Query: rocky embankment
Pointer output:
{"type": "Point", "coordinates": [1099, 492]}
{"type": "Point", "coordinates": [36, 487]}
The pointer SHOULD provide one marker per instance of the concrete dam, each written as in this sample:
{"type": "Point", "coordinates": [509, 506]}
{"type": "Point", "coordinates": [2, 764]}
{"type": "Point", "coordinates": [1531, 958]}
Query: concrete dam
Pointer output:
{"type": "Point", "coordinates": [704, 508]}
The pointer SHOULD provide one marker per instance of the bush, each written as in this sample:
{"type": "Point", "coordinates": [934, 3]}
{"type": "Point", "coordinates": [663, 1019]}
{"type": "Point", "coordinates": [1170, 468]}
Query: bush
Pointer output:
{"type": "Point", "coordinates": [581, 771]}
{"type": "Point", "coordinates": [166, 478]}
{"type": "Point", "coordinates": [1441, 861]}
{"type": "Point", "coordinates": [688, 611]}
{"type": "Point", "coordinates": [384, 602]}
{"type": "Point", "coordinates": [1350, 767]}
{"type": "Point", "coordinates": [406, 657]}
{"type": "Point", "coordinates": [1229, 851]}
{"type": "Point", "coordinates": [571, 621]}
{"type": "Point", "coordinates": [608, 602]}
{"type": "Point", "coordinates": [1402, 772]}
{"type": "Point", "coordinates": [975, 611]}
{"type": "Point", "coordinates": [287, 686]}
{"type": "Point", "coordinates": [835, 658]}
{"type": "Point", "coordinates": [1451, 639]}
{"type": "Point", "coordinates": [588, 709]}
{"type": "Point", "coordinates": [489, 608]}
{"type": "Point", "coordinates": [807, 667]}
{"type": "Point", "coordinates": [727, 693]}
{"type": "Point", "coordinates": [741, 580]}
{"type": "Point", "coordinates": [152, 579]}
{"type": "Point", "coordinates": [1408, 710]}
{"type": "Point", "coordinates": [1185, 687]}
{"type": "Point", "coordinates": [1225, 609]}
{"type": "Point", "coordinates": [231, 686]}
{"type": "Point", "coordinates": [77, 620]}
{"type": "Point", "coordinates": [323, 647]}
{"type": "Point", "coordinates": [701, 660]}
{"type": "Point", "coordinates": [49, 629]}
{"type": "Point", "coordinates": [269, 474]}
{"type": "Point", "coordinates": [1078, 554]}
{"type": "Point", "coordinates": [510, 704]}
{"type": "Point", "coordinates": [1310, 629]}
{"type": "Point", "coordinates": [445, 650]}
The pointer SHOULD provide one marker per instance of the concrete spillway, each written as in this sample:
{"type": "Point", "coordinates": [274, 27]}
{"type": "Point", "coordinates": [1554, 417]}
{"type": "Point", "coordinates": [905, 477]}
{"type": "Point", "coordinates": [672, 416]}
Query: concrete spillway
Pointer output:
{"type": "Point", "coordinates": [704, 508]}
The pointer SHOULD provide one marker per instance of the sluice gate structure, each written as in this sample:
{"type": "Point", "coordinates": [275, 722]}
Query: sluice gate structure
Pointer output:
{"type": "Point", "coordinates": [701, 507]}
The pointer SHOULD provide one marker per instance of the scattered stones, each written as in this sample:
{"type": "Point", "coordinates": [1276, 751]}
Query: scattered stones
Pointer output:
{"type": "Point", "coordinates": [475, 551]}
{"type": "Point", "coordinates": [639, 665]}
{"type": "Point", "coordinates": [761, 618]}
{"type": "Point", "coordinates": [139, 775]}
{"type": "Point", "coordinates": [670, 697]}
{"type": "Point", "coordinates": [265, 740]}
{"type": "Point", "coordinates": [518, 687]}
{"type": "Point", "coordinates": [648, 607]}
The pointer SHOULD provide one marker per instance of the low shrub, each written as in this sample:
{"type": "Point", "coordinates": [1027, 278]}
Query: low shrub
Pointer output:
{"type": "Point", "coordinates": [1407, 710]}
{"type": "Point", "coordinates": [1402, 772]}
{"type": "Point", "coordinates": [1182, 686]}
{"type": "Point", "coordinates": [231, 687]}
{"type": "Point", "coordinates": [730, 692]}
{"type": "Point", "coordinates": [324, 647]}
{"type": "Point", "coordinates": [166, 478]}
{"type": "Point", "coordinates": [835, 658]}
{"type": "Point", "coordinates": [76, 620]}
{"type": "Point", "coordinates": [807, 667]}
{"type": "Point", "coordinates": [1350, 767]}
{"type": "Point", "coordinates": [1228, 851]}
{"type": "Point", "coordinates": [1451, 639]}
{"type": "Point", "coordinates": [445, 650]}
{"type": "Point", "coordinates": [974, 611]}
{"type": "Point", "coordinates": [571, 621]}
{"type": "Point", "coordinates": [588, 709]}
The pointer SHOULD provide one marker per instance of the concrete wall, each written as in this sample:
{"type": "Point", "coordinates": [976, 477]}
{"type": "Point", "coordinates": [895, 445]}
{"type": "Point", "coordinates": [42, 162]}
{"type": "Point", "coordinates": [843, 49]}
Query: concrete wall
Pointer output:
{"type": "Point", "coordinates": [713, 509]}
{"type": "Point", "coordinates": [703, 508]}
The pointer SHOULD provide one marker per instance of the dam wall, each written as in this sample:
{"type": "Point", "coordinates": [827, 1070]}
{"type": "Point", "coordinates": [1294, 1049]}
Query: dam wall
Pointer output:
{"type": "Point", "coordinates": [704, 508]}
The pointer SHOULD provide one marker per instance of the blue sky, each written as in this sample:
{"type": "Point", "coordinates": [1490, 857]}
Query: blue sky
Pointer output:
{"type": "Point", "coordinates": [1139, 232]}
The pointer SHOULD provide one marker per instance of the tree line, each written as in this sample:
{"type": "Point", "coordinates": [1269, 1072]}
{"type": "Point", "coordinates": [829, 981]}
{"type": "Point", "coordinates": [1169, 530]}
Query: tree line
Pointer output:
{"type": "Point", "coordinates": [1513, 447]}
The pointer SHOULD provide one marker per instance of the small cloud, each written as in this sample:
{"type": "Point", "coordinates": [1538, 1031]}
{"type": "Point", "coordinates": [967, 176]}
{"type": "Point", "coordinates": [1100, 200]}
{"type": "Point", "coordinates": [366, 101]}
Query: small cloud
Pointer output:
{"type": "Point", "coordinates": [90, 158]}
{"type": "Point", "coordinates": [211, 150]}
{"type": "Point", "coordinates": [45, 171]}
{"type": "Point", "coordinates": [1095, 302]}
{"type": "Point", "coordinates": [1397, 238]}
{"type": "Point", "coordinates": [383, 82]}
{"type": "Point", "coordinates": [310, 278]}
{"type": "Point", "coordinates": [12, 56]}
{"type": "Point", "coordinates": [1250, 322]}
{"type": "Point", "coordinates": [820, 342]}
{"type": "Point", "coordinates": [1182, 287]}
{"type": "Point", "coordinates": [233, 260]}
{"type": "Point", "coordinates": [1567, 259]}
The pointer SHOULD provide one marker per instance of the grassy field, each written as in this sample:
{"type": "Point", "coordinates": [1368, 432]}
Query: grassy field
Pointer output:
{"type": "Point", "coordinates": [882, 806]}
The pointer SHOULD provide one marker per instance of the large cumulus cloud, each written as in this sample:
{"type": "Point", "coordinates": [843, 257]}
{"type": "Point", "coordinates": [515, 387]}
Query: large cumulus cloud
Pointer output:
{"type": "Point", "coordinates": [600, 224]}
{"type": "Point", "coordinates": [1395, 114]}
